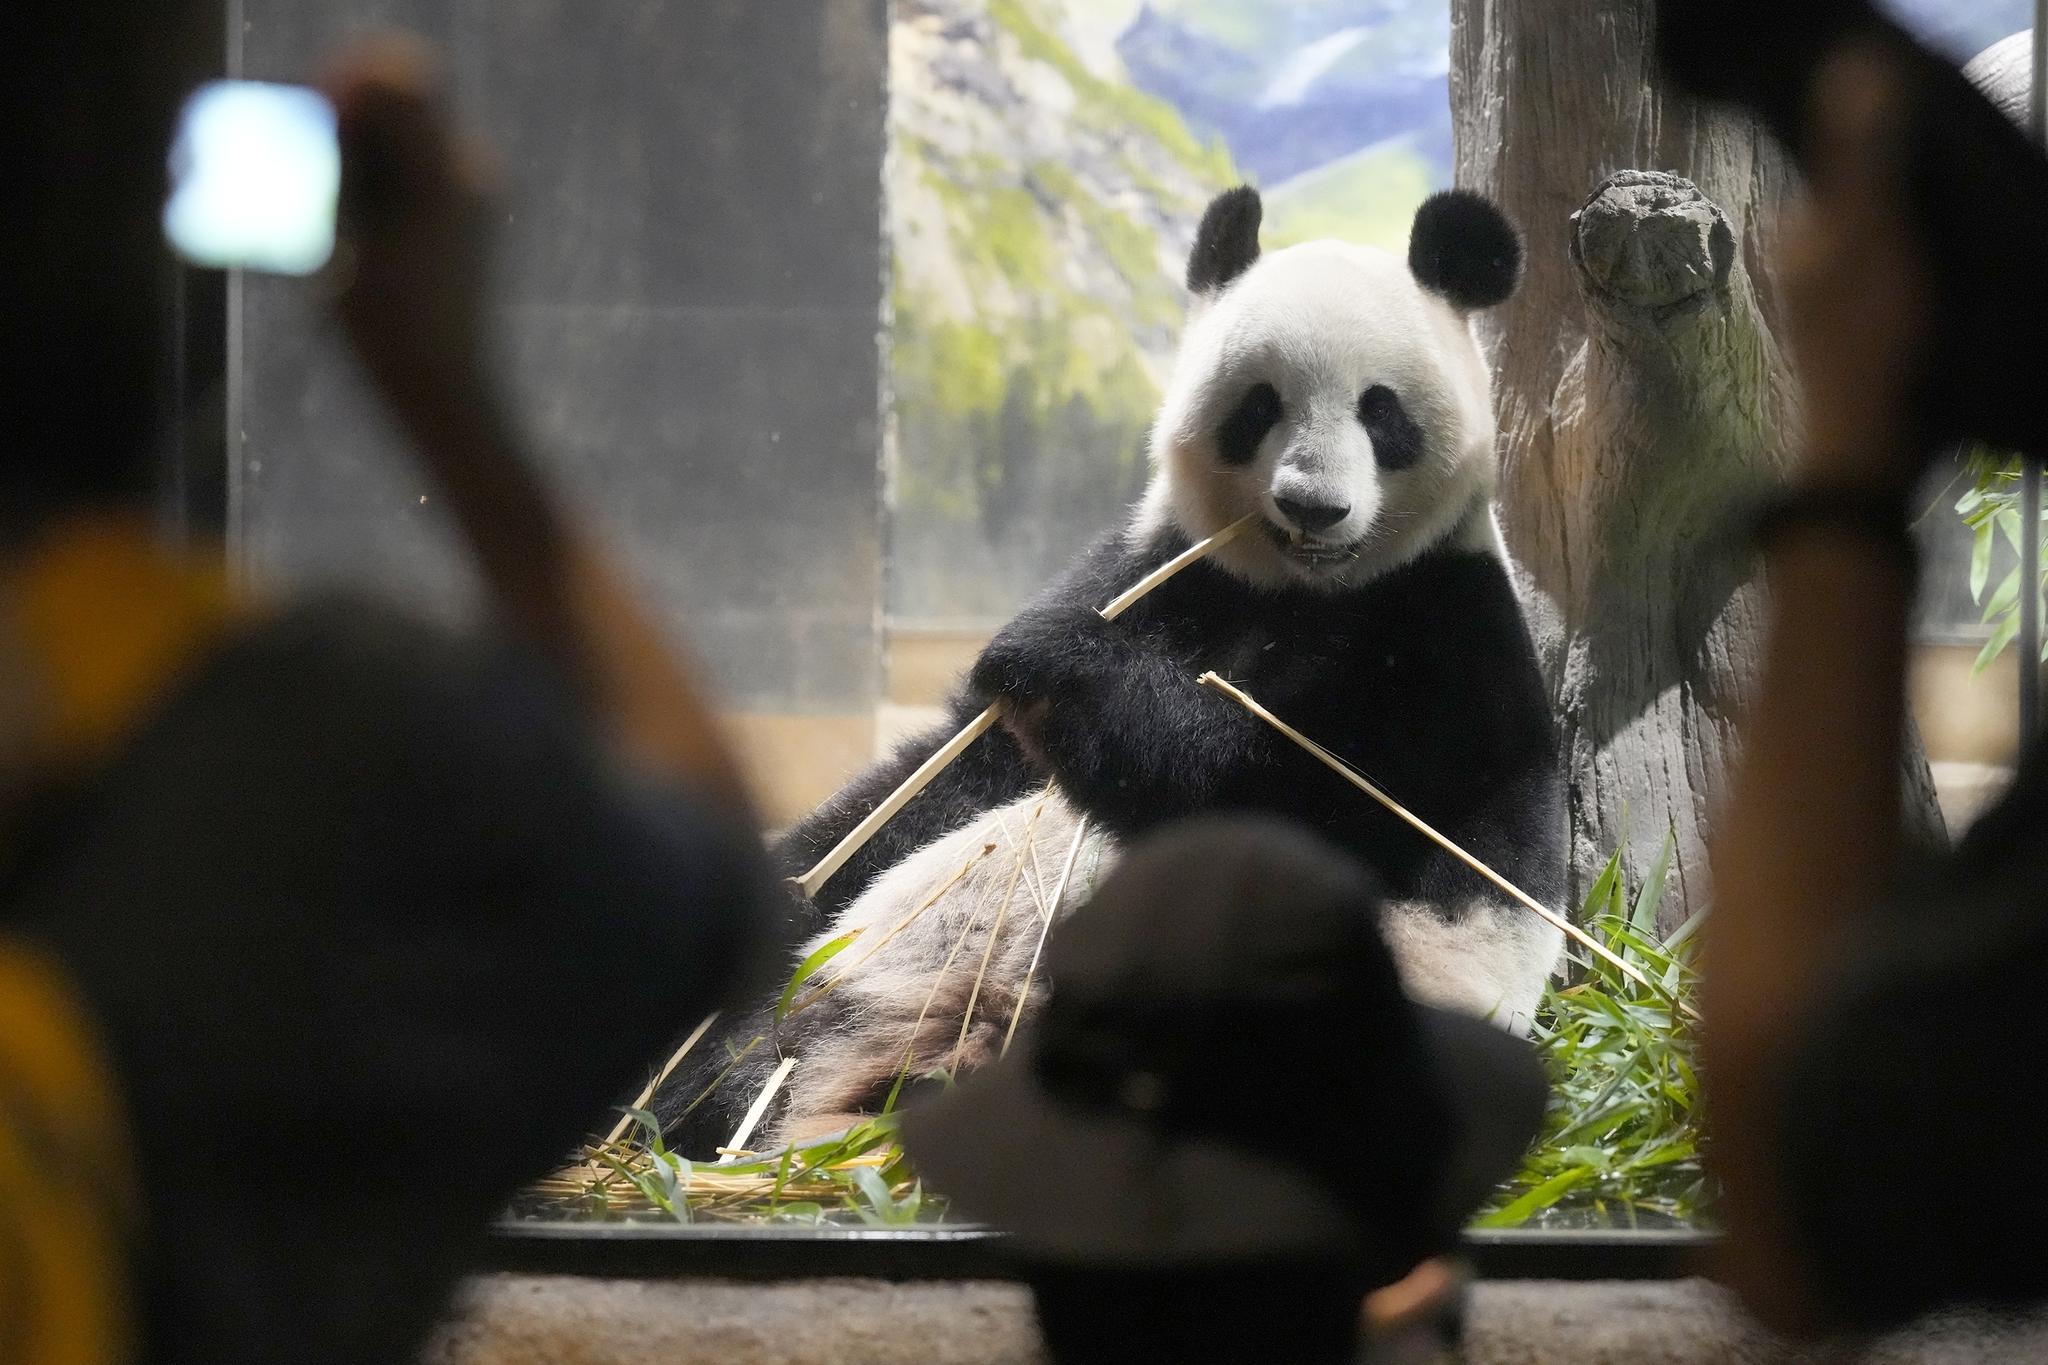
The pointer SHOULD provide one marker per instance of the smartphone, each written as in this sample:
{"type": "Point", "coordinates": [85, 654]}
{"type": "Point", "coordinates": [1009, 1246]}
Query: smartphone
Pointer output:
{"type": "Point", "coordinates": [255, 177]}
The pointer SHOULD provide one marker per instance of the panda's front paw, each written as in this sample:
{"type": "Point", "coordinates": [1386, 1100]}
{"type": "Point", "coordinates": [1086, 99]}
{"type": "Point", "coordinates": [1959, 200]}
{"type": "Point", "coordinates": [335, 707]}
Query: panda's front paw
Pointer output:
{"type": "Point", "coordinates": [1036, 658]}
{"type": "Point", "coordinates": [1001, 673]}
{"type": "Point", "coordinates": [1060, 740]}
{"type": "Point", "coordinates": [1025, 722]}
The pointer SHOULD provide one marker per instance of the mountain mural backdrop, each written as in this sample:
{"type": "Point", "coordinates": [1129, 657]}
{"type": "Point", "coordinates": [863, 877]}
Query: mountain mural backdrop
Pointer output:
{"type": "Point", "coordinates": [1963, 28]}
{"type": "Point", "coordinates": [1048, 162]}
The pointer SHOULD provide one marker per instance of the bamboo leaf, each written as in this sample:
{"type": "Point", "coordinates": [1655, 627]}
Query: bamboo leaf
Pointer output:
{"type": "Point", "coordinates": [1536, 1200]}
{"type": "Point", "coordinates": [1602, 891]}
{"type": "Point", "coordinates": [808, 968]}
{"type": "Point", "coordinates": [876, 1204]}
{"type": "Point", "coordinates": [1643, 920]}
{"type": "Point", "coordinates": [2000, 638]}
{"type": "Point", "coordinates": [807, 1211]}
{"type": "Point", "coordinates": [2007, 595]}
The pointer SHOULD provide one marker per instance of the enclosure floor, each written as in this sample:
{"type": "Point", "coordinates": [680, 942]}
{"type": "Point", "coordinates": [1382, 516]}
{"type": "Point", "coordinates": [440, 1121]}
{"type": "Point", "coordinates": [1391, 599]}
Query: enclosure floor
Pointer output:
{"type": "Point", "coordinates": [519, 1320]}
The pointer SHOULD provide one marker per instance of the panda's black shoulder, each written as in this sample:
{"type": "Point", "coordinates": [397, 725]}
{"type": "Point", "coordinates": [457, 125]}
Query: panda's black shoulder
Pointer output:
{"type": "Point", "coordinates": [1463, 602]}
{"type": "Point", "coordinates": [1492, 633]}
{"type": "Point", "coordinates": [1469, 587]}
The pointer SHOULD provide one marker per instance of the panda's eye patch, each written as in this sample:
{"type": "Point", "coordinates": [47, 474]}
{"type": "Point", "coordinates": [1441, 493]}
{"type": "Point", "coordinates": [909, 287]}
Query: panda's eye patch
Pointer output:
{"type": "Point", "coordinates": [1257, 413]}
{"type": "Point", "coordinates": [1396, 440]}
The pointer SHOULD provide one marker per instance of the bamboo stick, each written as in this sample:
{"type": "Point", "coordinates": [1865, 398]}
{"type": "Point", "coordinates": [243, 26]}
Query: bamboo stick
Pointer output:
{"type": "Point", "coordinates": [932, 995]}
{"type": "Point", "coordinates": [1358, 780]}
{"type": "Point", "coordinates": [995, 931]}
{"type": "Point", "coordinates": [626, 1120]}
{"type": "Point", "coordinates": [738, 1142]}
{"type": "Point", "coordinates": [857, 838]}
{"type": "Point", "coordinates": [820, 992]}
{"type": "Point", "coordinates": [1200, 550]}
{"type": "Point", "coordinates": [1051, 913]}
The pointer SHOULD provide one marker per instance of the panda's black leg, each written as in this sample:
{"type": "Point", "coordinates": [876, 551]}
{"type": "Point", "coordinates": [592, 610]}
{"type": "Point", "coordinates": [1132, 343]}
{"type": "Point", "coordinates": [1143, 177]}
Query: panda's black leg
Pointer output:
{"type": "Point", "coordinates": [704, 1099]}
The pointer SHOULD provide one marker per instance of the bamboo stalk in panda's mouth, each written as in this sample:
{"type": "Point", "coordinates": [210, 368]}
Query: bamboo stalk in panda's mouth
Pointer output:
{"type": "Point", "coordinates": [859, 835]}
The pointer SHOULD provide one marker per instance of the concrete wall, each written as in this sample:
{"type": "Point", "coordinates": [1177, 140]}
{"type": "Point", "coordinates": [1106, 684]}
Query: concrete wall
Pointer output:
{"type": "Point", "coordinates": [691, 281]}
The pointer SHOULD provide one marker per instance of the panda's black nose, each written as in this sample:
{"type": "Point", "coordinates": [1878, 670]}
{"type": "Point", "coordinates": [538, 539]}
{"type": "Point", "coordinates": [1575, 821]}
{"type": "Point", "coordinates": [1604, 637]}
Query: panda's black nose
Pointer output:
{"type": "Point", "coordinates": [1311, 516]}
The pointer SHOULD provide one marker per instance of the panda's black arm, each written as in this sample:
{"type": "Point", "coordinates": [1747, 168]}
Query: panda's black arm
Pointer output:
{"type": "Point", "coordinates": [1126, 729]}
{"type": "Point", "coordinates": [993, 772]}
{"type": "Point", "coordinates": [1519, 828]}
{"type": "Point", "coordinates": [1499, 792]}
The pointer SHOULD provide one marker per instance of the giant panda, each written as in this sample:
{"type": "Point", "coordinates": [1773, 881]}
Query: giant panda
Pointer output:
{"type": "Point", "coordinates": [1338, 392]}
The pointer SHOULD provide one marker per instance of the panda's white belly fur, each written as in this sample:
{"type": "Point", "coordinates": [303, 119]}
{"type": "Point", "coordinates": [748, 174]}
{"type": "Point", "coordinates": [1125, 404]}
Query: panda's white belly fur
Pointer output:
{"type": "Point", "coordinates": [946, 939]}
{"type": "Point", "coordinates": [945, 942]}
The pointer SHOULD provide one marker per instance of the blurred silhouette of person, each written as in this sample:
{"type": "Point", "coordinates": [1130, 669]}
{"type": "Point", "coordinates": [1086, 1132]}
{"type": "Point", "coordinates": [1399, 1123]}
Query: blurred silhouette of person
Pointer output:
{"type": "Point", "coordinates": [1863, 1014]}
{"type": "Point", "coordinates": [1230, 1125]}
{"type": "Point", "coordinates": [320, 930]}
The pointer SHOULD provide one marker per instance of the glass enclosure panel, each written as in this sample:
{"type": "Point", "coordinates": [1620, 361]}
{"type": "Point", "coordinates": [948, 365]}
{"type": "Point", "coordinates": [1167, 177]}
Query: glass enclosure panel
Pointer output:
{"type": "Point", "coordinates": [1965, 673]}
{"type": "Point", "coordinates": [1965, 669]}
{"type": "Point", "coordinates": [1049, 164]}
{"type": "Point", "coordinates": [847, 325]}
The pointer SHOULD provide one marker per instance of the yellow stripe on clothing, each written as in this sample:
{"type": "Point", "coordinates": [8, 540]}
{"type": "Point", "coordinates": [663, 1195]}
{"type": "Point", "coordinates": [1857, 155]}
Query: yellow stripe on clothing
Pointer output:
{"type": "Point", "coordinates": [107, 617]}
{"type": "Point", "coordinates": [65, 1199]}
{"type": "Point", "coordinates": [98, 621]}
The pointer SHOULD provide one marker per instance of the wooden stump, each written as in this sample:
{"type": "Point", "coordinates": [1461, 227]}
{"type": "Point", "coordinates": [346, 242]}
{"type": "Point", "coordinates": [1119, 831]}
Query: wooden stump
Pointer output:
{"type": "Point", "coordinates": [1639, 391]}
{"type": "Point", "coordinates": [1664, 418]}
{"type": "Point", "coordinates": [1671, 411]}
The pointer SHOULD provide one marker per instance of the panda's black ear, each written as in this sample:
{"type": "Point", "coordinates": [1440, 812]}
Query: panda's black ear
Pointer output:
{"type": "Point", "coordinates": [1227, 242]}
{"type": "Point", "coordinates": [1464, 248]}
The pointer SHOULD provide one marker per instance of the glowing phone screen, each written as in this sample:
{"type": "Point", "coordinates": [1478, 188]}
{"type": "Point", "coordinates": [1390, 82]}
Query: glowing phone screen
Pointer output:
{"type": "Point", "coordinates": [255, 175]}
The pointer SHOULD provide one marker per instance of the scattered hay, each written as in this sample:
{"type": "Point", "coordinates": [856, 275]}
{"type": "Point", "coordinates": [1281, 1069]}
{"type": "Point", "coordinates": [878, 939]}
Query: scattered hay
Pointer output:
{"type": "Point", "coordinates": [859, 1175]}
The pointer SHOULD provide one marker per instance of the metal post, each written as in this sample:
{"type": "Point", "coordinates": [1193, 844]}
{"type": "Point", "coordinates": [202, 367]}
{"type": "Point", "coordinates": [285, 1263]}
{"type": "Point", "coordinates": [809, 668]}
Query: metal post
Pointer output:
{"type": "Point", "coordinates": [192, 467]}
{"type": "Point", "coordinates": [234, 386]}
{"type": "Point", "coordinates": [2030, 599]}
{"type": "Point", "coordinates": [2030, 469]}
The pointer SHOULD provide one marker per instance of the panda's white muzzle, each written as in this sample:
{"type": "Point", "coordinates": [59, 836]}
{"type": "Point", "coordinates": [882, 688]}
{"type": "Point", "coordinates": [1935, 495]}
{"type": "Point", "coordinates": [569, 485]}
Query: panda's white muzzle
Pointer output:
{"type": "Point", "coordinates": [1313, 518]}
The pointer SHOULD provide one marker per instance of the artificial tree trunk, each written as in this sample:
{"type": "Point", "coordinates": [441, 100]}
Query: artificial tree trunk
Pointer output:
{"type": "Point", "coordinates": [1641, 395]}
